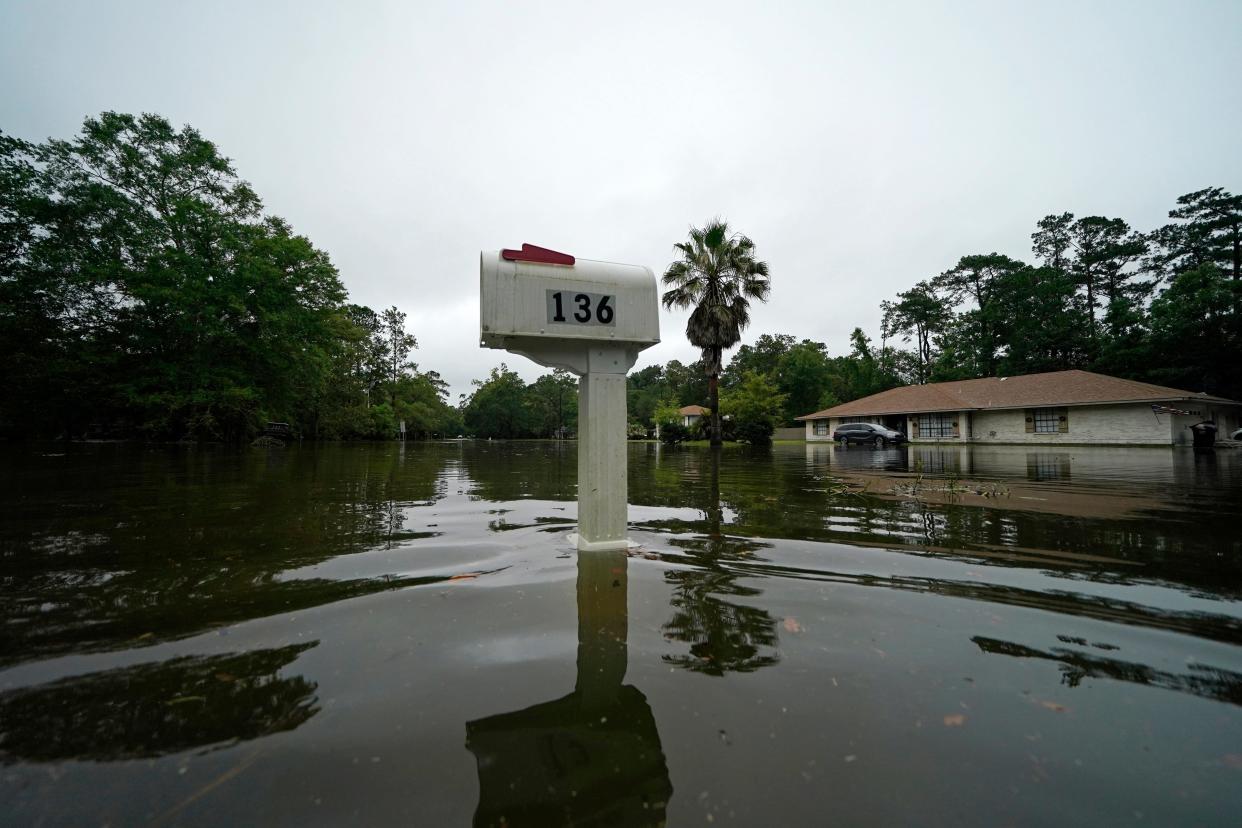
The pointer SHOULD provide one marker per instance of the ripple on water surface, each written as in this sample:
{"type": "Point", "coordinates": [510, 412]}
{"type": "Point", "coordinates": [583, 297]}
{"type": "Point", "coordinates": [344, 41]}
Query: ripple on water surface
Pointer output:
{"type": "Point", "coordinates": [403, 633]}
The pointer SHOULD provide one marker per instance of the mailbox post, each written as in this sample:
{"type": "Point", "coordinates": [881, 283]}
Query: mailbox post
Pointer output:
{"type": "Point", "coordinates": [592, 319]}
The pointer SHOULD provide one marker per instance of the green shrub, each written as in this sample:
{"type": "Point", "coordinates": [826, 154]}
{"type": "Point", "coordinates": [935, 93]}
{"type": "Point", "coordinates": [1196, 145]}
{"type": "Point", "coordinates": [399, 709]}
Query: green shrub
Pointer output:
{"type": "Point", "coordinates": [755, 433]}
{"type": "Point", "coordinates": [673, 433]}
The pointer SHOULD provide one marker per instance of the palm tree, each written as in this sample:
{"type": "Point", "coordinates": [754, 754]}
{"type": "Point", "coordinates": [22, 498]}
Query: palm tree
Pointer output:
{"type": "Point", "coordinates": [717, 275]}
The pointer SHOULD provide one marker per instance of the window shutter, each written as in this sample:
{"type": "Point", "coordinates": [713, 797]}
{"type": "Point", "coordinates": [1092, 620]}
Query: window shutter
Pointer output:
{"type": "Point", "coordinates": [1030, 421]}
{"type": "Point", "coordinates": [914, 426]}
{"type": "Point", "coordinates": [1063, 421]}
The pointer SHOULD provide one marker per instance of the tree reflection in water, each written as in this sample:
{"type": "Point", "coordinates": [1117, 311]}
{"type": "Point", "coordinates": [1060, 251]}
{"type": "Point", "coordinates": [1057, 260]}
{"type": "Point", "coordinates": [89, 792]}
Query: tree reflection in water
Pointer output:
{"type": "Point", "coordinates": [1200, 680]}
{"type": "Point", "coordinates": [723, 636]}
{"type": "Point", "coordinates": [193, 539]}
{"type": "Point", "coordinates": [592, 757]}
{"type": "Point", "coordinates": [150, 710]}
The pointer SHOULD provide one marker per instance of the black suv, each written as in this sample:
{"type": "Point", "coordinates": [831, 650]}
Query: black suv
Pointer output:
{"type": "Point", "coordinates": [876, 435]}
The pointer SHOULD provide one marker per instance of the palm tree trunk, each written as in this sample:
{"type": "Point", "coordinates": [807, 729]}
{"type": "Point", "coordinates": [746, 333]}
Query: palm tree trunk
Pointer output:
{"type": "Point", "coordinates": [713, 392]}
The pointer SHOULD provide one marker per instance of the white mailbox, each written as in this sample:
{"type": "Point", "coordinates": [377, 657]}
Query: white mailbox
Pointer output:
{"type": "Point", "coordinates": [591, 318]}
{"type": "Point", "coordinates": [547, 305]}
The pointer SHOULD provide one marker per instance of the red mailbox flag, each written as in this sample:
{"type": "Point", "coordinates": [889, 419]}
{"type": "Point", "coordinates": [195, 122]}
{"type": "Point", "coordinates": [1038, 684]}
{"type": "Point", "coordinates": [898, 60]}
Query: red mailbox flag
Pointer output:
{"type": "Point", "coordinates": [531, 253]}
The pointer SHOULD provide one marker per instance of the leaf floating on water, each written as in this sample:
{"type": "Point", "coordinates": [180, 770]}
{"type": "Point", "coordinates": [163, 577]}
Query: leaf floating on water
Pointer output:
{"type": "Point", "coordinates": [791, 625]}
{"type": "Point", "coordinates": [954, 720]}
{"type": "Point", "coordinates": [226, 677]}
{"type": "Point", "coordinates": [465, 576]}
{"type": "Point", "coordinates": [185, 699]}
{"type": "Point", "coordinates": [1053, 706]}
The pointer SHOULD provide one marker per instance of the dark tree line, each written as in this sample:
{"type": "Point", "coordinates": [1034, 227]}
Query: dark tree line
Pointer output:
{"type": "Point", "coordinates": [144, 292]}
{"type": "Point", "coordinates": [505, 407]}
{"type": "Point", "coordinates": [1163, 306]}
{"type": "Point", "coordinates": [802, 376]}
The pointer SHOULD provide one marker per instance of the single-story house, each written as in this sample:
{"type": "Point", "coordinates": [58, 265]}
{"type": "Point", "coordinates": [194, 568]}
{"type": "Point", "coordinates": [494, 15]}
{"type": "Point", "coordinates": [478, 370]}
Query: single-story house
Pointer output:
{"type": "Point", "coordinates": [691, 414]}
{"type": "Point", "coordinates": [1063, 407]}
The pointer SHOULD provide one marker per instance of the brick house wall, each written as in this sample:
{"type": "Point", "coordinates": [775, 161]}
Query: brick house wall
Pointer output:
{"type": "Point", "coordinates": [1116, 424]}
{"type": "Point", "coordinates": [1123, 424]}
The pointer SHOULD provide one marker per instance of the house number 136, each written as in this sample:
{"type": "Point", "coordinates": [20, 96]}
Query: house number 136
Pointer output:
{"type": "Point", "coordinates": [581, 308]}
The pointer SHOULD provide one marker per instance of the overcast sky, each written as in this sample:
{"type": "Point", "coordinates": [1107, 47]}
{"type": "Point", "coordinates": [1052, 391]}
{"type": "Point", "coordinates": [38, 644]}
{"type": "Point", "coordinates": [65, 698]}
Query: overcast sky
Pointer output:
{"type": "Point", "coordinates": [863, 146]}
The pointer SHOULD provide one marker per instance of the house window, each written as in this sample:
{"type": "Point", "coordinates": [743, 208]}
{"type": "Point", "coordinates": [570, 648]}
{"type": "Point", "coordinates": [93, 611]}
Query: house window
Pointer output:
{"type": "Point", "coordinates": [1047, 421]}
{"type": "Point", "coordinates": [821, 428]}
{"type": "Point", "coordinates": [935, 425]}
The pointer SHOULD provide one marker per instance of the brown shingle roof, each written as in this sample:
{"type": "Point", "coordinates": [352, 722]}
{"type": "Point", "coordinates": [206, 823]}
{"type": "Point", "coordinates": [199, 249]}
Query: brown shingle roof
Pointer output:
{"type": "Point", "coordinates": [1055, 388]}
{"type": "Point", "coordinates": [694, 409]}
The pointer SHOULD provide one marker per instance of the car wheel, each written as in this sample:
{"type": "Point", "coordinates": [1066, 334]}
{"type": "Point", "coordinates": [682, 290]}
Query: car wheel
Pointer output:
{"type": "Point", "coordinates": [879, 442]}
{"type": "Point", "coordinates": [844, 441]}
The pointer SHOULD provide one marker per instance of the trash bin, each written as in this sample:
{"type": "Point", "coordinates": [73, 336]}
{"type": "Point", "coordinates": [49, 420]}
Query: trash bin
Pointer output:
{"type": "Point", "coordinates": [1204, 434]}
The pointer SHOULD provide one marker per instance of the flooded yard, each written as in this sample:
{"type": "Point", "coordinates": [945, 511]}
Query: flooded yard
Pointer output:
{"type": "Point", "coordinates": [383, 634]}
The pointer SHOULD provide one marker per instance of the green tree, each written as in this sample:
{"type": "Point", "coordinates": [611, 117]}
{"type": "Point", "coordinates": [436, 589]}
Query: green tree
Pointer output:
{"type": "Point", "coordinates": [644, 390]}
{"type": "Point", "coordinates": [498, 408]}
{"type": "Point", "coordinates": [761, 358]}
{"type": "Point", "coordinates": [687, 382]}
{"type": "Point", "coordinates": [1096, 252]}
{"type": "Point", "coordinates": [865, 371]}
{"type": "Point", "coordinates": [756, 407]}
{"type": "Point", "coordinates": [368, 357]}
{"type": "Point", "coordinates": [396, 345]}
{"type": "Point", "coordinates": [1196, 332]}
{"type": "Point", "coordinates": [553, 403]}
{"type": "Point", "coordinates": [1209, 232]}
{"type": "Point", "coordinates": [974, 279]}
{"type": "Point", "coordinates": [803, 374]}
{"type": "Point", "coordinates": [918, 314]}
{"type": "Point", "coordinates": [1103, 247]}
{"type": "Point", "coordinates": [668, 422]}
{"type": "Point", "coordinates": [1036, 315]}
{"type": "Point", "coordinates": [1217, 217]}
{"type": "Point", "coordinates": [172, 306]}
{"type": "Point", "coordinates": [717, 275]}
{"type": "Point", "coordinates": [1051, 240]}
{"type": "Point", "coordinates": [668, 411]}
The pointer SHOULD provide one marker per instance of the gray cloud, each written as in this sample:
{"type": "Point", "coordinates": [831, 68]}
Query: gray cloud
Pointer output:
{"type": "Point", "coordinates": [862, 146]}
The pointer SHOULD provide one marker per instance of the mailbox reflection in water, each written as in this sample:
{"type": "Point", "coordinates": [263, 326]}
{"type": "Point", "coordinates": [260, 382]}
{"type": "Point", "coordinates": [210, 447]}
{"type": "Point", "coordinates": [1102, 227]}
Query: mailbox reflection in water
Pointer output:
{"type": "Point", "coordinates": [592, 757]}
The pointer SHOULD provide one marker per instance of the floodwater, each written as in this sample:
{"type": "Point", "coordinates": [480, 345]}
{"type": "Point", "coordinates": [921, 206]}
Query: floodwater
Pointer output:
{"type": "Point", "coordinates": [807, 635]}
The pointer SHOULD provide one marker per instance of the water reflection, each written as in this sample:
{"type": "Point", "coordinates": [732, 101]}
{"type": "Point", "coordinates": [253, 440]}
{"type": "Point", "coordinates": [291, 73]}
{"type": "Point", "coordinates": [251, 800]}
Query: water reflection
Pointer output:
{"type": "Point", "coordinates": [940, 460]}
{"type": "Point", "coordinates": [823, 455]}
{"type": "Point", "coordinates": [1046, 466]}
{"type": "Point", "coordinates": [121, 547]}
{"type": "Point", "coordinates": [724, 636]}
{"type": "Point", "coordinates": [108, 545]}
{"type": "Point", "coordinates": [105, 546]}
{"type": "Point", "coordinates": [150, 710]}
{"type": "Point", "coordinates": [592, 757]}
{"type": "Point", "coordinates": [1076, 665]}
{"type": "Point", "coordinates": [499, 471]}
